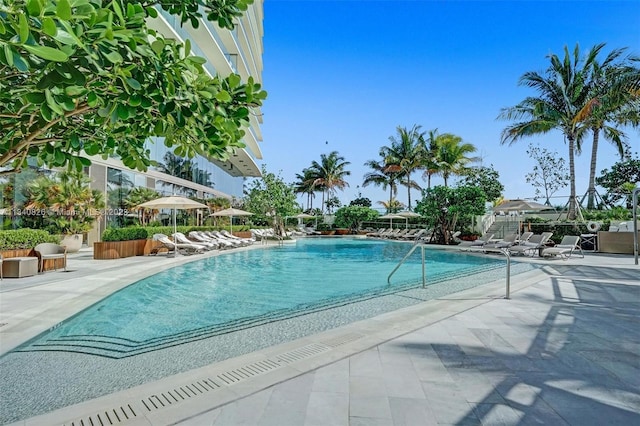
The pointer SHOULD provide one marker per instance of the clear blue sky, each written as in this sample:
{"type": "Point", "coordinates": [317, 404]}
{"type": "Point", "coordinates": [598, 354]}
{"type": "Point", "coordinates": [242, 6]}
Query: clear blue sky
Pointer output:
{"type": "Point", "coordinates": [342, 75]}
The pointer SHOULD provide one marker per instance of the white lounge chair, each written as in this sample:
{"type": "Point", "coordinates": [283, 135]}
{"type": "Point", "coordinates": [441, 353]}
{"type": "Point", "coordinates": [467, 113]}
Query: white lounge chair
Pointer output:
{"type": "Point", "coordinates": [536, 242]}
{"type": "Point", "coordinates": [565, 249]}
{"type": "Point", "coordinates": [201, 238]}
{"type": "Point", "coordinates": [173, 246]}
{"type": "Point", "coordinates": [481, 241]}
{"type": "Point", "coordinates": [182, 239]}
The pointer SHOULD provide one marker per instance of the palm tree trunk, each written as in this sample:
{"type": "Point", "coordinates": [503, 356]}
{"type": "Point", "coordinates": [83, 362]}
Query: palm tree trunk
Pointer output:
{"type": "Point", "coordinates": [592, 170]}
{"type": "Point", "coordinates": [409, 191]}
{"type": "Point", "coordinates": [572, 178]}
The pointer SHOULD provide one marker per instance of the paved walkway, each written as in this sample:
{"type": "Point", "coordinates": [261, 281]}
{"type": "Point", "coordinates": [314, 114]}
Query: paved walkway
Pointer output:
{"type": "Point", "coordinates": [565, 349]}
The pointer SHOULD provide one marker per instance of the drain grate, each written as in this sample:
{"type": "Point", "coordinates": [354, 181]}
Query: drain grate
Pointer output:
{"type": "Point", "coordinates": [206, 385]}
{"type": "Point", "coordinates": [105, 418]}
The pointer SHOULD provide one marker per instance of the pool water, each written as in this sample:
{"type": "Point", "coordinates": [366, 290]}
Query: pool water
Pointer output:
{"type": "Point", "coordinates": [227, 293]}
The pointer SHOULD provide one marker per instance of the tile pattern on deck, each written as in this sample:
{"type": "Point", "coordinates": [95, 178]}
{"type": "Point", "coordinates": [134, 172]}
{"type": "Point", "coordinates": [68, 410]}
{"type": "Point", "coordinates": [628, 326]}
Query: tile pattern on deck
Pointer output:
{"type": "Point", "coordinates": [564, 351]}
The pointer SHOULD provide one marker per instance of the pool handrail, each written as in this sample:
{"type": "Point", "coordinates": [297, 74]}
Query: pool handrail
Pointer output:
{"type": "Point", "coordinates": [417, 244]}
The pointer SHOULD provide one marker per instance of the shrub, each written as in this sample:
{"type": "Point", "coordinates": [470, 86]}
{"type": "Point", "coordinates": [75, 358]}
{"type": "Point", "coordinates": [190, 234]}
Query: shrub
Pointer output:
{"type": "Point", "coordinates": [25, 238]}
{"type": "Point", "coordinates": [124, 234]}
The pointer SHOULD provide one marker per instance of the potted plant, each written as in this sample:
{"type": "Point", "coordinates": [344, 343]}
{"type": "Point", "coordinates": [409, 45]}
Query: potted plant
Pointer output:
{"type": "Point", "coordinates": [67, 206]}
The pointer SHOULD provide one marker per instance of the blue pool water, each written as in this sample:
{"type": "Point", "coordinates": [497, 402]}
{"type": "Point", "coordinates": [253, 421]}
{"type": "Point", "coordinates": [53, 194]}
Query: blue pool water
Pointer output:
{"type": "Point", "coordinates": [227, 293]}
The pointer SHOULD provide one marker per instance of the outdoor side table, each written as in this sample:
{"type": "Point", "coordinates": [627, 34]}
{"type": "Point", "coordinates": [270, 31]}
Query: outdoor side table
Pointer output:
{"type": "Point", "coordinates": [18, 267]}
{"type": "Point", "coordinates": [589, 242]}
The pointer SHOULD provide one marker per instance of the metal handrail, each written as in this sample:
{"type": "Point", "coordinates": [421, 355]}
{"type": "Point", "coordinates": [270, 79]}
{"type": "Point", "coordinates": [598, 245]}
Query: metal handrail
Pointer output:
{"type": "Point", "coordinates": [504, 251]}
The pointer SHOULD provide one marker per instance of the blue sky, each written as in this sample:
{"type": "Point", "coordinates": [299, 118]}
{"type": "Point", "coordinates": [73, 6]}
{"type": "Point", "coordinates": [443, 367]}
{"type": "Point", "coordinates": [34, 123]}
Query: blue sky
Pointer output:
{"type": "Point", "coordinates": [342, 75]}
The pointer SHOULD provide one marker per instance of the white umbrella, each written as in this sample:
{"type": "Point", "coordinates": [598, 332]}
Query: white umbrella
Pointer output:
{"type": "Point", "coordinates": [231, 212]}
{"type": "Point", "coordinates": [391, 217]}
{"type": "Point", "coordinates": [173, 202]}
{"type": "Point", "coordinates": [301, 216]}
{"type": "Point", "coordinates": [407, 215]}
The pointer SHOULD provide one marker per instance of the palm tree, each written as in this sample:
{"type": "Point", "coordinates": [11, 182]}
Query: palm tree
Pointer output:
{"type": "Point", "coordinates": [304, 185]}
{"type": "Point", "coordinates": [405, 156]}
{"type": "Point", "coordinates": [430, 156]}
{"type": "Point", "coordinates": [612, 104]}
{"type": "Point", "coordinates": [451, 155]}
{"type": "Point", "coordinates": [329, 174]}
{"type": "Point", "coordinates": [563, 92]}
{"type": "Point", "coordinates": [392, 206]}
{"type": "Point", "coordinates": [137, 196]}
{"type": "Point", "coordinates": [382, 176]}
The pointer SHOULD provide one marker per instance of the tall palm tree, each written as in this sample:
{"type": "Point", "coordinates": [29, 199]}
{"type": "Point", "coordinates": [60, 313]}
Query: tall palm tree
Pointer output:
{"type": "Point", "coordinates": [430, 156]}
{"type": "Point", "coordinates": [563, 92]}
{"type": "Point", "coordinates": [329, 174]}
{"type": "Point", "coordinates": [304, 185]}
{"type": "Point", "coordinates": [452, 155]}
{"type": "Point", "coordinates": [405, 155]}
{"type": "Point", "coordinates": [612, 104]}
{"type": "Point", "coordinates": [382, 176]}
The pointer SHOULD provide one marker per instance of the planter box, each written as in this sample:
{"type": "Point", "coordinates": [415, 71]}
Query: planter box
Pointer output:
{"type": "Point", "coordinates": [242, 234]}
{"type": "Point", "coordinates": [120, 249]}
{"type": "Point", "coordinates": [615, 242]}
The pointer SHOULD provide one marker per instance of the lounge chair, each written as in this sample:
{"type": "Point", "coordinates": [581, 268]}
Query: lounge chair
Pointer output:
{"type": "Point", "coordinates": [173, 246]}
{"type": "Point", "coordinates": [200, 238]}
{"type": "Point", "coordinates": [480, 242]}
{"type": "Point", "coordinates": [508, 241]}
{"type": "Point", "coordinates": [246, 241]}
{"type": "Point", "coordinates": [46, 251]}
{"type": "Point", "coordinates": [223, 243]}
{"type": "Point", "coordinates": [565, 249]}
{"type": "Point", "coordinates": [182, 239]}
{"type": "Point", "coordinates": [536, 242]}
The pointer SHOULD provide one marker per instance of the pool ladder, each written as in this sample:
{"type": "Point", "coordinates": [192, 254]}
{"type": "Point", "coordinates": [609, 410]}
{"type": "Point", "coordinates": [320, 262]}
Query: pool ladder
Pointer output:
{"type": "Point", "coordinates": [424, 275]}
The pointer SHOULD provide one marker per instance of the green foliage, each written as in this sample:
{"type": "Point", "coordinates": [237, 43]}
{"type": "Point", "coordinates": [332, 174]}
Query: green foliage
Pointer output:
{"type": "Point", "coordinates": [361, 201]}
{"type": "Point", "coordinates": [90, 77]}
{"type": "Point", "coordinates": [620, 181]}
{"type": "Point", "coordinates": [485, 178]}
{"type": "Point", "coordinates": [25, 238]}
{"type": "Point", "coordinates": [352, 216]}
{"type": "Point", "coordinates": [124, 234]}
{"type": "Point", "coordinates": [270, 199]}
{"type": "Point", "coordinates": [444, 207]}
{"type": "Point", "coordinates": [66, 204]}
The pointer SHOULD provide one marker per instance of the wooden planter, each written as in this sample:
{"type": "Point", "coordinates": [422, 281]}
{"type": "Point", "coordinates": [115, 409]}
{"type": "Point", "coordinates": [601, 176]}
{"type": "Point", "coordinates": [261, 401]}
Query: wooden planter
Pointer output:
{"type": "Point", "coordinates": [49, 264]}
{"type": "Point", "coordinates": [343, 231]}
{"type": "Point", "coordinates": [120, 249]}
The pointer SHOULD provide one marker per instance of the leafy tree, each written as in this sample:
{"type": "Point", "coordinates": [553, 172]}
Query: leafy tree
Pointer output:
{"type": "Point", "coordinates": [563, 92]}
{"type": "Point", "coordinates": [352, 216]}
{"type": "Point", "coordinates": [329, 174]}
{"type": "Point", "coordinates": [405, 155]}
{"type": "Point", "coordinates": [89, 77]}
{"type": "Point", "coordinates": [620, 181]}
{"type": "Point", "coordinates": [361, 201]}
{"type": "Point", "coordinates": [444, 207]}
{"type": "Point", "coordinates": [485, 178]}
{"type": "Point", "coordinates": [270, 199]}
{"type": "Point", "coordinates": [549, 173]}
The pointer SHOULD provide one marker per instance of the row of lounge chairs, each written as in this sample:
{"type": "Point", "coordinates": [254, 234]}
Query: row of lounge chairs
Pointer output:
{"type": "Point", "coordinates": [398, 234]}
{"type": "Point", "coordinates": [201, 241]}
{"type": "Point", "coordinates": [528, 243]}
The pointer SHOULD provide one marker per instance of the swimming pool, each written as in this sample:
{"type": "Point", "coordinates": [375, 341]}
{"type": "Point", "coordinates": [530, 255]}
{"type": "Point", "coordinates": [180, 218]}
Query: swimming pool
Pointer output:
{"type": "Point", "coordinates": [227, 293]}
{"type": "Point", "coordinates": [137, 334]}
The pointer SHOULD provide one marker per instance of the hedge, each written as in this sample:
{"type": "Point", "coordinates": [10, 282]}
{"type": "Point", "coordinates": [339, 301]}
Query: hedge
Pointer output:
{"type": "Point", "coordinates": [25, 238]}
{"type": "Point", "coordinates": [124, 234]}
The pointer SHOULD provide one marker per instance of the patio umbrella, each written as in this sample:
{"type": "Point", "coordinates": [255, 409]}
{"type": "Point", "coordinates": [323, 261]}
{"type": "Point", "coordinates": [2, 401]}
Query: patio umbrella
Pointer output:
{"type": "Point", "coordinates": [174, 202]}
{"type": "Point", "coordinates": [391, 217]}
{"type": "Point", "coordinates": [304, 216]}
{"type": "Point", "coordinates": [407, 215]}
{"type": "Point", "coordinates": [231, 212]}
